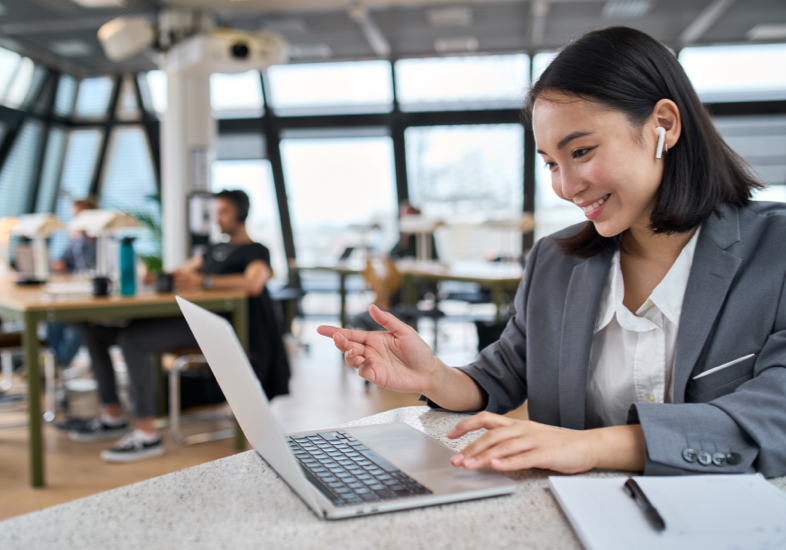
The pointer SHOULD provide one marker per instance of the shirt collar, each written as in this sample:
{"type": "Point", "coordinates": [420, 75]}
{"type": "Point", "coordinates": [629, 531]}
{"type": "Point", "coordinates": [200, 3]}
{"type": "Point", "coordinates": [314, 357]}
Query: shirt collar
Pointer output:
{"type": "Point", "coordinates": [667, 296]}
{"type": "Point", "coordinates": [670, 292]}
{"type": "Point", "coordinates": [607, 301]}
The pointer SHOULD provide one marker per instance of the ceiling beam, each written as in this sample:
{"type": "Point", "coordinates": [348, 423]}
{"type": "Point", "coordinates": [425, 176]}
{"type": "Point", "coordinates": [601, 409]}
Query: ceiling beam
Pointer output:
{"type": "Point", "coordinates": [539, 11]}
{"type": "Point", "coordinates": [704, 21]}
{"type": "Point", "coordinates": [358, 12]}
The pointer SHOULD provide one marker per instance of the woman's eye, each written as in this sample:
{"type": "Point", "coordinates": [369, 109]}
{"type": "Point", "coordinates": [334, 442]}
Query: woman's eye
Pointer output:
{"type": "Point", "coordinates": [551, 165]}
{"type": "Point", "coordinates": [578, 153]}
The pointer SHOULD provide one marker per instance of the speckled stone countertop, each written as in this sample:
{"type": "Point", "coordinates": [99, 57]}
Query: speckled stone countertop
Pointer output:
{"type": "Point", "coordinates": [239, 502]}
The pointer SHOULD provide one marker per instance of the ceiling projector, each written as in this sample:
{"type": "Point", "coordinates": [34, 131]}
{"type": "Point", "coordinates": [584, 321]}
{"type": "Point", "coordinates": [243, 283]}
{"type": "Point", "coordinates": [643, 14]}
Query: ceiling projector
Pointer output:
{"type": "Point", "coordinates": [227, 51]}
{"type": "Point", "coordinates": [218, 50]}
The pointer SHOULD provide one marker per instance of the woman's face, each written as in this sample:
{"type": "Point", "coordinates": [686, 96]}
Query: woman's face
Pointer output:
{"type": "Point", "coordinates": [599, 161]}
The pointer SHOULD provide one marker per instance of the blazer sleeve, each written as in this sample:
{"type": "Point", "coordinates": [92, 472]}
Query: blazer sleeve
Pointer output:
{"type": "Point", "coordinates": [500, 369]}
{"type": "Point", "coordinates": [748, 422]}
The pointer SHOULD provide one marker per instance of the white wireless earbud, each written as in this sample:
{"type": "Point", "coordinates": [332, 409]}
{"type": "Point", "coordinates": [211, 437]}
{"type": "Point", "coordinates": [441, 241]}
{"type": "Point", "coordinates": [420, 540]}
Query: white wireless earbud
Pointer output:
{"type": "Point", "coordinates": [661, 139]}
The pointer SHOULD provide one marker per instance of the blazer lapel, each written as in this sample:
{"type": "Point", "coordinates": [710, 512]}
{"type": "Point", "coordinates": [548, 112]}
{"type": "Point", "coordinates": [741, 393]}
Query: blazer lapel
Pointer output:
{"type": "Point", "coordinates": [711, 275]}
{"type": "Point", "coordinates": [582, 302]}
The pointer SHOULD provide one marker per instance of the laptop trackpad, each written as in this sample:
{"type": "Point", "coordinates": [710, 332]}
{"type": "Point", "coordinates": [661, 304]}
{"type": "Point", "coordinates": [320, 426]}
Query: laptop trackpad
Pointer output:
{"type": "Point", "coordinates": [403, 446]}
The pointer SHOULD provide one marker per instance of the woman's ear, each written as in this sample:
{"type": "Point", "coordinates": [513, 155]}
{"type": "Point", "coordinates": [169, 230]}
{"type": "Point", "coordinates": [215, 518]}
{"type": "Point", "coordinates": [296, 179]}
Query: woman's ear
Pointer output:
{"type": "Point", "coordinates": [666, 115]}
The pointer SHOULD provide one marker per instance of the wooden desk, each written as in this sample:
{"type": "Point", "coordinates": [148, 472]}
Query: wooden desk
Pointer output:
{"type": "Point", "coordinates": [32, 304]}
{"type": "Point", "coordinates": [499, 278]}
{"type": "Point", "coordinates": [343, 270]}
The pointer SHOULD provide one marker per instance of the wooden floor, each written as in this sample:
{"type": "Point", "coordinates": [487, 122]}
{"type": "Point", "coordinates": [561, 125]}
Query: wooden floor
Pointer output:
{"type": "Point", "coordinates": [324, 393]}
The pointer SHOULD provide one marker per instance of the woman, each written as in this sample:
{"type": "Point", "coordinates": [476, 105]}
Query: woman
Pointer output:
{"type": "Point", "coordinates": [656, 330]}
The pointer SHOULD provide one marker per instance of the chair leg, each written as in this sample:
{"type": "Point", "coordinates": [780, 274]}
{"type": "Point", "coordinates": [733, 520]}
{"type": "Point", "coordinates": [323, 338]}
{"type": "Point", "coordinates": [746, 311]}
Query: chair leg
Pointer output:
{"type": "Point", "coordinates": [174, 398]}
{"type": "Point", "coordinates": [49, 385]}
{"type": "Point", "coordinates": [7, 360]}
{"type": "Point", "coordinates": [175, 418]}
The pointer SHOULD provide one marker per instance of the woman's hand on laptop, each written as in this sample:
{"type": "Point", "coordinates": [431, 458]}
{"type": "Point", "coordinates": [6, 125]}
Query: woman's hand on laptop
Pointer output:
{"type": "Point", "coordinates": [511, 444]}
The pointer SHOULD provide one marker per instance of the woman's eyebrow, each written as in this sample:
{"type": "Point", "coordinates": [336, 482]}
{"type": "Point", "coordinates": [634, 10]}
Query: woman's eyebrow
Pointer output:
{"type": "Point", "coordinates": [567, 139]}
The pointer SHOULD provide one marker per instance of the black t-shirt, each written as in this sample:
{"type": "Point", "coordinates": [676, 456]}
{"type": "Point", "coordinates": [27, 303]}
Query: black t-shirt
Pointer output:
{"type": "Point", "coordinates": [266, 346]}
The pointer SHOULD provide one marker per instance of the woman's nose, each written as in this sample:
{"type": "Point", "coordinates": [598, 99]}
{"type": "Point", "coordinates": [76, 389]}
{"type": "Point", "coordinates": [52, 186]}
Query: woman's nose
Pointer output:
{"type": "Point", "coordinates": [570, 185]}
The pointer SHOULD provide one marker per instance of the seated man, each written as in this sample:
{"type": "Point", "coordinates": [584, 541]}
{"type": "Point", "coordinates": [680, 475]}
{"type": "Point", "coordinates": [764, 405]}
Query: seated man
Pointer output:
{"type": "Point", "coordinates": [239, 263]}
{"type": "Point", "coordinates": [78, 257]}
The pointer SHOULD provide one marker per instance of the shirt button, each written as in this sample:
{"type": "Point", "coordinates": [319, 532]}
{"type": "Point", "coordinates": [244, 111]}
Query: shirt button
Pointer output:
{"type": "Point", "coordinates": [651, 398]}
{"type": "Point", "coordinates": [690, 455]}
{"type": "Point", "coordinates": [705, 458]}
{"type": "Point", "coordinates": [719, 459]}
{"type": "Point", "coordinates": [732, 459]}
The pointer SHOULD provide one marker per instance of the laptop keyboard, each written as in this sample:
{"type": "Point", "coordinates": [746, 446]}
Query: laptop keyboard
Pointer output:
{"type": "Point", "coordinates": [347, 472]}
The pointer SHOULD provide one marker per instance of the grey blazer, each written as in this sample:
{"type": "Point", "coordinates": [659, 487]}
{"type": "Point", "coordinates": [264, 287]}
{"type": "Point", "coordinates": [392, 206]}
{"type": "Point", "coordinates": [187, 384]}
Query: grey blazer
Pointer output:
{"type": "Point", "coordinates": [735, 305]}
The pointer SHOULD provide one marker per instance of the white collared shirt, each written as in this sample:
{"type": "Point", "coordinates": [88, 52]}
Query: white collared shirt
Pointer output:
{"type": "Point", "coordinates": [632, 358]}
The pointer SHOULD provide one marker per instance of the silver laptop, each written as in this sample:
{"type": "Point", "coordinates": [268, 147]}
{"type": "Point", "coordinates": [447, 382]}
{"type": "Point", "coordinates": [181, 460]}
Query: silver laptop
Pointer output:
{"type": "Point", "coordinates": [338, 473]}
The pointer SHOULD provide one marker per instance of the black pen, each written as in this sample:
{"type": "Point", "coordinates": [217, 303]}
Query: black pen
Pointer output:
{"type": "Point", "coordinates": [633, 489]}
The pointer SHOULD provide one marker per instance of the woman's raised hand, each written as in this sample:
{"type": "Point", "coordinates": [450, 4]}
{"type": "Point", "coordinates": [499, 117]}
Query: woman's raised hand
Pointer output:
{"type": "Point", "coordinates": [397, 359]}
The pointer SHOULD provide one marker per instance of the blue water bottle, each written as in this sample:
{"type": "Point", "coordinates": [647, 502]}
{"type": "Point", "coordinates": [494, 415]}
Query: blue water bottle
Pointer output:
{"type": "Point", "coordinates": [127, 267]}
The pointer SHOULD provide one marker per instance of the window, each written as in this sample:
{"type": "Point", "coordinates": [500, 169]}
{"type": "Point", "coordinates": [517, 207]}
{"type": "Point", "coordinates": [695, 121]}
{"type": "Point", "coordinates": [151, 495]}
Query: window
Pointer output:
{"type": "Point", "coordinates": [9, 61]}
{"type": "Point", "coordinates": [16, 175]}
{"type": "Point", "coordinates": [462, 82]}
{"type": "Point", "coordinates": [75, 179]}
{"type": "Point", "coordinates": [460, 170]}
{"type": "Point", "coordinates": [53, 159]}
{"type": "Point", "coordinates": [92, 100]}
{"type": "Point", "coordinates": [127, 105]}
{"type": "Point", "coordinates": [19, 87]}
{"type": "Point", "coordinates": [761, 141]}
{"type": "Point", "coordinates": [129, 182]}
{"type": "Point", "coordinates": [155, 83]}
{"type": "Point", "coordinates": [349, 87]}
{"type": "Point", "coordinates": [66, 94]}
{"type": "Point", "coordinates": [236, 95]}
{"type": "Point", "coordinates": [737, 73]}
{"type": "Point", "coordinates": [334, 183]}
{"type": "Point", "coordinates": [255, 177]}
{"type": "Point", "coordinates": [539, 63]}
{"type": "Point", "coordinates": [465, 175]}
{"type": "Point", "coordinates": [551, 212]}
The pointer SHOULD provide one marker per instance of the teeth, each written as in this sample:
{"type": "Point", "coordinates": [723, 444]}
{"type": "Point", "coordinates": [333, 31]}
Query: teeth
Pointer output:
{"type": "Point", "coordinates": [595, 205]}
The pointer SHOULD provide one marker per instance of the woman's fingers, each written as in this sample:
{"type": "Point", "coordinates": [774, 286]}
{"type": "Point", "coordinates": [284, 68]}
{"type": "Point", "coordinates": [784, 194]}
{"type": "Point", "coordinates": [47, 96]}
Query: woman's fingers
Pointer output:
{"type": "Point", "coordinates": [359, 336]}
{"type": "Point", "coordinates": [482, 420]}
{"type": "Point", "coordinates": [493, 438]}
{"type": "Point", "coordinates": [389, 321]}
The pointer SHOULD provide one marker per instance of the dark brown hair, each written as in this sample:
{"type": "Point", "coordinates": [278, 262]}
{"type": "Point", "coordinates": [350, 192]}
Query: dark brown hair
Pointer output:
{"type": "Point", "coordinates": [628, 71]}
{"type": "Point", "coordinates": [239, 199]}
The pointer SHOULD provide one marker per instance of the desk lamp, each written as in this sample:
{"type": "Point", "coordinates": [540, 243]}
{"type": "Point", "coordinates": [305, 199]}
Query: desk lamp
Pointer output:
{"type": "Point", "coordinates": [512, 227]}
{"type": "Point", "coordinates": [365, 229]}
{"type": "Point", "coordinates": [423, 227]}
{"type": "Point", "coordinates": [38, 227]}
{"type": "Point", "coordinates": [102, 224]}
{"type": "Point", "coordinates": [7, 226]}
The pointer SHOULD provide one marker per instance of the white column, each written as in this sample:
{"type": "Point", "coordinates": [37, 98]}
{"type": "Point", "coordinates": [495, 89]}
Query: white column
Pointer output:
{"type": "Point", "coordinates": [188, 136]}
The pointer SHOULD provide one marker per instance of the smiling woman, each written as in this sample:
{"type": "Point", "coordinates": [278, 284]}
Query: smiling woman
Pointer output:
{"type": "Point", "coordinates": [655, 330]}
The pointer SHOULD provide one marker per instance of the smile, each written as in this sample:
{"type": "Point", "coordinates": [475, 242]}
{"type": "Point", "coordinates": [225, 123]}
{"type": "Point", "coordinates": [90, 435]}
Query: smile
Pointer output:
{"type": "Point", "coordinates": [594, 205]}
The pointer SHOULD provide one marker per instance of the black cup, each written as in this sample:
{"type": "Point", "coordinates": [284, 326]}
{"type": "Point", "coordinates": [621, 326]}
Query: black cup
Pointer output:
{"type": "Point", "coordinates": [100, 286]}
{"type": "Point", "coordinates": [164, 282]}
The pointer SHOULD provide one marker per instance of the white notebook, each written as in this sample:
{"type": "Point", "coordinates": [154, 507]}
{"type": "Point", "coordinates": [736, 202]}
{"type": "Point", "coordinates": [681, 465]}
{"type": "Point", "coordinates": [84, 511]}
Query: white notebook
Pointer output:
{"type": "Point", "coordinates": [721, 512]}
